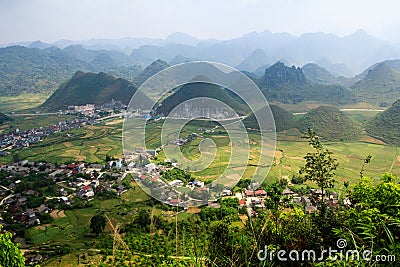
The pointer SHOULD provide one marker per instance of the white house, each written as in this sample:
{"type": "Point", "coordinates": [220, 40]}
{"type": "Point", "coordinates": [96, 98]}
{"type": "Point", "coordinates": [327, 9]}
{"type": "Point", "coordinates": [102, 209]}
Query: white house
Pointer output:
{"type": "Point", "coordinates": [176, 183]}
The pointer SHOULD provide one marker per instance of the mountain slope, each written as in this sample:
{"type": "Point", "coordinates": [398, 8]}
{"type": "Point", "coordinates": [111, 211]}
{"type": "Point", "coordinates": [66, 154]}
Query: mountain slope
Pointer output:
{"type": "Point", "coordinates": [256, 59]}
{"type": "Point", "coordinates": [289, 85]}
{"type": "Point", "coordinates": [386, 125]}
{"type": "Point", "coordinates": [84, 88]}
{"type": "Point", "coordinates": [381, 85]}
{"type": "Point", "coordinates": [284, 120]}
{"type": "Point", "coordinates": [149, 71]}
{"type": "Point", "coordinates": [24, 70]}
{"type": "Point", "coordinates": [318, 74]}
{"type": "Point", "coordinates": [331, 124]}
{"type": "Point", "coordinates": [200, 89]}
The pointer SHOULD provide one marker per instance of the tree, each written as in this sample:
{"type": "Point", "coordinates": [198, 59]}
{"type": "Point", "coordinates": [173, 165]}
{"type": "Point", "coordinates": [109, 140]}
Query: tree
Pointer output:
{"type": "Point", "coordinates": [97, 223]}
{"type": "Point", "coordinates": [10, 255]}
{"type": "Point", "coordinates": [16, 157]}
{"type": "Point", "coordinates": [320, 167]}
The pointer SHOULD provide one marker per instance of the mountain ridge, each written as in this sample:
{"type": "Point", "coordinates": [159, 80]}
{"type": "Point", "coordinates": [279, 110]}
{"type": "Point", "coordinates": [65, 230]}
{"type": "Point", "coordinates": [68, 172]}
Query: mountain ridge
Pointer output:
{"type": "Point", "coordinates": [318, 47]}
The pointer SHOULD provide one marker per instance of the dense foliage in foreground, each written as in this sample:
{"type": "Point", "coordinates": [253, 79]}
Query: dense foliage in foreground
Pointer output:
{"type": "Point", "coordinates": [370, 222]}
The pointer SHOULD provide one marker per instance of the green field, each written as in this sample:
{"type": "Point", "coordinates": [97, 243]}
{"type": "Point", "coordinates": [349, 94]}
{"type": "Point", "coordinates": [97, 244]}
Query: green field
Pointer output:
{"type": "Point", "coordinates": [361, 116]}
{"type": "Point", "coordinates": [92, 143]}
{"type": "Point", "coordinates": [72, 226]}
{"type": "Point", "coordinates": [21, 102]}
{"type": "Point", "coordinates": [89, 144]}
{"type": "Point", "coordinates": [385, 158]}
{"type": "Point", "coordinates": [33, 121]}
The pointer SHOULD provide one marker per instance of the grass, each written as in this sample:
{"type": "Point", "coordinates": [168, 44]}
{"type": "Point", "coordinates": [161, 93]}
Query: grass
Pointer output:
{"type": "Point", "coordinates": [361, 116]}
{"type": "Point", "coordinates": [88, 258]}
{"type": "Point", "coordinates": [90, 144]}
{"type": "Point", "coordinates": [34, 121]}
{"type": "Point", "coordinates": [21, 102]}
{"type": "Point", "coordinates": [74, 230]}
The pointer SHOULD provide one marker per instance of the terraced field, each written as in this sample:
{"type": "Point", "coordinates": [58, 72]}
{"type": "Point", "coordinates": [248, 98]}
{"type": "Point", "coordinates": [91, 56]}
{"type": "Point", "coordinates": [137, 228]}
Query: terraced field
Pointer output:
{"type": "Point", "coordinates": [92, 143]}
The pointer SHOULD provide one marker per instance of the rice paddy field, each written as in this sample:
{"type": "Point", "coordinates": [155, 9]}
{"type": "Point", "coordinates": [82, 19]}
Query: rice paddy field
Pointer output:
{"type": "Point", "coordinates": [23, 122]}
{"type": "Point", "coordinates": [21, 102]}
{"type": "Point", "coordinates": [89, 143]}
{"type": "Point", "coordinates": [92, 143]}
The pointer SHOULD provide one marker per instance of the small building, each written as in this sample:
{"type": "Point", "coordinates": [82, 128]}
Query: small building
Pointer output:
{"type": "Point", "coordinates": [287, 192]}
{"type": "Point", "coordinates": [260, 192]}
{"type": "Point", "coordinates": [174, 201]}
{"type": "Point", "coordinates": [176, 183]}
{"type": "Point", "coordinates": [150, 167]}
{"type": "Point", "coordinates": [226, 192]}
{"type": "Point", "coordinates": [151, 152]}
{"type": "Point", "coordinates": [249, 193]}
{"type": "Point", "coordinates": [306, 201]}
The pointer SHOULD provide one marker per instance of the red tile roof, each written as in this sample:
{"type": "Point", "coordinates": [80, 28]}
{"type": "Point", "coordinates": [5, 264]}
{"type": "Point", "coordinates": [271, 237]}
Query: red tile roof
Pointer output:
{"type": "Point", "coordinates": [86, 187]}
{"type": "Point", "coordinates": [71, 166]}
{"type": "Point", "coordinates": [260, 192]}
{"type": "Point", "coordinates": [249, 193]}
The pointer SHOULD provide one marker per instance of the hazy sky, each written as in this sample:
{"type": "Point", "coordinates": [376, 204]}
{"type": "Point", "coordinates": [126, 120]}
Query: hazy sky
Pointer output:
{"type": "Point", "coordinates": [51, 20]}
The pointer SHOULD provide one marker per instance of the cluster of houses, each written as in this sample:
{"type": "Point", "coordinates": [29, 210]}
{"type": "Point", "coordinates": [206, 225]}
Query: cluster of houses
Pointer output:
{"type": "Point", "coordinates": [24, 138]}
{"type": "Point", "coordinates": [255, 199]}
{"type": "Point", "coordinates": [74, 180]}
{"type": "Point", "coordinates": [88, 114]}
{"type": "Point", "coordinates": [92, 110]}
{"type": "Point", "coordinates": [175, 192]}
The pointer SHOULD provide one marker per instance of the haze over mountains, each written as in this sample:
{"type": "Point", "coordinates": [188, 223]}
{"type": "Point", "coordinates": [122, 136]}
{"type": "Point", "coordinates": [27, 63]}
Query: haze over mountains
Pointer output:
{"type": "Point", "coordinates": [344, 56]}
{"type": "Point", "coordinates": [266, 57]}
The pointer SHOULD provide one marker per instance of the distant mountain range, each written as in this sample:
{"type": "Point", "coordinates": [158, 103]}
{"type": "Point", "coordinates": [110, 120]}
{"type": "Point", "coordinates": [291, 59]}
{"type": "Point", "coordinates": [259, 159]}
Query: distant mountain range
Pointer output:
{"type": "Point", "coordinates": [317, 74]}
{"type": "Point", "coordinates": [34, 70]}
{"type": "Point", "coordinates": [290, 85]}
{"type": "Point", "coordinates": [342, 56]}
{"type": "Point", "coordinates": [149, 71]}
{"type": "Point", "coordinates": [42, 68]}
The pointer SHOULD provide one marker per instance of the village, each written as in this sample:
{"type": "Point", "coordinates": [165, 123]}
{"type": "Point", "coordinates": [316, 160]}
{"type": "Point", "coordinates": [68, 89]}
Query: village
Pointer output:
{"type": "Point", "coordinates": [81, 181]}
{"type": "Point", "coordinates": [31, 191]}
{"type": "Point", "coordinates": [88, 114]}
